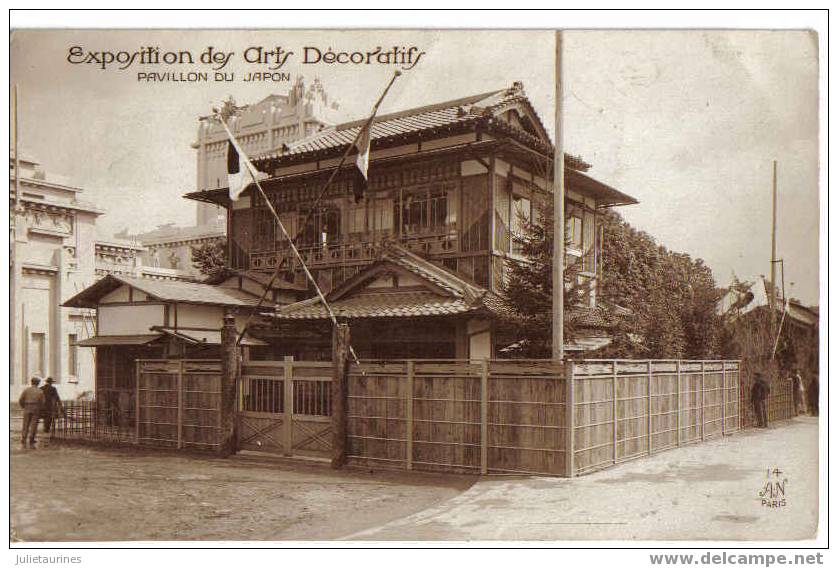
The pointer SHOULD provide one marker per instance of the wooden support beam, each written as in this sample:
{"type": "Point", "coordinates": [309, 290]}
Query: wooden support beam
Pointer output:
{"type": "Point", "coordinates": [288, 405]}
{"type": "Point", "coordinates": [179, 383]}
{"type": "Point", "coordinates": [678, 403]}
{"type": "Point", "coordinates": [136, 402]}
{"type": "Point", "coordinates": [484, 417]}
{"type": "Point", "coordinates": [649, 417]}
{"type": "Point", "coordinates": [409, 415]}
{"type": "Point", "coordinates": [570, 414]}
{"type": "Point", "coordinates": [724, 398]}
{"type": "Point", "coordinates": [702, 401]}
{"type": "Point", "coordinates": [227, 436]}
{"type": "Point", "coordinates": [614, 406]}
{"type": "Point", "coordinates": [340, 361]}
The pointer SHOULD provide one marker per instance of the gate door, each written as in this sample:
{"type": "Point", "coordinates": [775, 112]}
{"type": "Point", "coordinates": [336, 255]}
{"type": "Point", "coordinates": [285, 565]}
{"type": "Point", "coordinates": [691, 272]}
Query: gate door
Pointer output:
{"type": "Point", "coordinates": [285, 407]}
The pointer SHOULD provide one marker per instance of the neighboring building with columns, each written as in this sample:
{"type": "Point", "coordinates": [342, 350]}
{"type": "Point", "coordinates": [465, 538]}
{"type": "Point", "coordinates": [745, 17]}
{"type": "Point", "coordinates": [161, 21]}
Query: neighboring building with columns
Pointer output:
{"type": "Point", "coordinates": [261, 128]}
{"type": "Point", "coordinates": [54, 254]}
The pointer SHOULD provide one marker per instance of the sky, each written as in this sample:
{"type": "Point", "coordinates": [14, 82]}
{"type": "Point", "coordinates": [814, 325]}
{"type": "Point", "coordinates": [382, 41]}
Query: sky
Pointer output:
{"type": "Point", "coordinates": [688, 122]}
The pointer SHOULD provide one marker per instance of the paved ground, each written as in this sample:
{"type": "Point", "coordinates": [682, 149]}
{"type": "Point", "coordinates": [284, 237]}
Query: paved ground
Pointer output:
{"type": "Point", "coordinates": [707, 491]}
{"type": "Point", "coordinates": [75, 493]}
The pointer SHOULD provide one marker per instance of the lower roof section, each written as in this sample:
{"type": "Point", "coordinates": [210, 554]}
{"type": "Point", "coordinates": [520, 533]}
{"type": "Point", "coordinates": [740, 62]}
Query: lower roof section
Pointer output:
{"type": "Point", "coordinates": [106, 340]}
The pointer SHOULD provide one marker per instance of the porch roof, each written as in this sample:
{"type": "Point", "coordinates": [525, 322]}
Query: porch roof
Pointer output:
{"type": "Point", "coordinates": [105, 340]}
{"type": "Point", "coordinates": [203, 336]}
{"type": "Point", "coordinates": [398, 304]}
{"type": "Point", "coordinates": [445, 293]}
{"type": "Point", "coordinates": [163, 290]}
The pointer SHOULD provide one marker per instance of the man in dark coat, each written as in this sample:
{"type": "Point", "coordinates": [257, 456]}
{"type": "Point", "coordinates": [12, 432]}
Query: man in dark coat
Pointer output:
{"type": "Point", "coordinates": [759, 394]}
{"type": "Point", "coordinates": [813, 392]}
{"type": "Point", "coordinates": [52, 405]}
{"type": "Point", "coordinates": [31, 400]}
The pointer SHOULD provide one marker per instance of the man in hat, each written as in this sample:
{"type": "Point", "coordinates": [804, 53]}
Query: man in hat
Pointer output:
{"type": "Point", "coordinates": [759, 394]}
{"type": "Point", "coordinates": [52, 405]}
{"type": "Point", "coordinates": [31, 400]}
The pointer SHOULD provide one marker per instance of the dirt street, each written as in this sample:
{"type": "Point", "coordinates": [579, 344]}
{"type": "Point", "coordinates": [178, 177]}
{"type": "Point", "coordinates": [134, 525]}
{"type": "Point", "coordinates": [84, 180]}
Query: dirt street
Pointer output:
{"type": "Point", "coordinates": [78, 493]}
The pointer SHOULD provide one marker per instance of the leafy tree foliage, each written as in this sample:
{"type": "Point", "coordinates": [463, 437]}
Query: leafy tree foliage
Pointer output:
{"type": "Point", "coordinates": [210, 258]}
{"type": "Point", "coordinates": [671, 297]}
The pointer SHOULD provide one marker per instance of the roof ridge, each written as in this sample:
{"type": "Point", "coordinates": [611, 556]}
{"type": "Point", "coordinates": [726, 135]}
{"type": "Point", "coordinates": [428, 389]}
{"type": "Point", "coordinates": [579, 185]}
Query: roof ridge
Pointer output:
{"type": "Point", "coordinates": [418, 110]}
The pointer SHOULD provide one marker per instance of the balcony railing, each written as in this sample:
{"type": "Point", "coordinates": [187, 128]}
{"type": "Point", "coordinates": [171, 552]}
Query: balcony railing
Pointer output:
{"type": "Point", "coordinates": [356, 252]}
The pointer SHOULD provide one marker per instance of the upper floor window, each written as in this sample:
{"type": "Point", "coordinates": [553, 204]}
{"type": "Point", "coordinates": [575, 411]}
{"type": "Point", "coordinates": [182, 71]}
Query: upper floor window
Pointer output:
{"type": "Point", "coordinates": [521, 217]}
{"type": "Point", "coordinates": [322, 228]}
{"type": "Point", "coordinates": [422, 211]}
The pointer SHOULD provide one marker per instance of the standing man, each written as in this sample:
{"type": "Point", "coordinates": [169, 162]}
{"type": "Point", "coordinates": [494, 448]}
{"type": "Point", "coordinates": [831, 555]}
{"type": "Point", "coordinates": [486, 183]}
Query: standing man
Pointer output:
{"type": "Point", "coordinates": [799, 393]}
{"type": "Point", "coordinates": [812, 393]}
{"type": "Point", "coordinates": [759, 393]}
{"type": "Point", "coordinates": [52, 406]}
{"type": "Point", "coordinates": [31, 400]}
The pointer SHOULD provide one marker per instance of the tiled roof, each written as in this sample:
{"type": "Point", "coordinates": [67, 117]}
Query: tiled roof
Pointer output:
{"type": "Point", "coordinates": [443, 117]}
{"type": "Point", "coordinates": [384, 305]}
{"type": "Point", "coordinates": [166, 290]}
{"type": "Point", "coordinates": [178, 291]}
{"type": "Point", "coordinates": [456, 295]}
{"type": "Point", "coordinates": [464, 110]}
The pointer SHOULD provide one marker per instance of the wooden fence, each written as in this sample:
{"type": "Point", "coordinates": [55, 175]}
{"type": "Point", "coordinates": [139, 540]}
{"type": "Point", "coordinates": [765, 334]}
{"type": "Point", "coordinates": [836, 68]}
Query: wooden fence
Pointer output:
{"type": "Point", "coordinates": [178, 403]}
{"type": "Point", "coordinates": [499, 416]}
{"type": "Point", "coordinates": [780, 404]}
{"type": "Point", "coordinates": [486, 417]}
{"type": "Point", "coordinates": [627, 409]}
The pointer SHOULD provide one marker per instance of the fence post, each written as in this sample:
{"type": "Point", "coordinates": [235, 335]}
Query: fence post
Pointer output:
{"type": "Point", "coordinates": [614, 406]}
{"type": "Point", "coordinates": [288, 404]}
{"type": "Point", "coordinates": [570, 451]}
{"type": "Point", "coordinates": [484, 417]}
{"type": "Point", "coordinates": [702, 401]}
{"type": "Point", "coordinates": [724, 398]}
{"type": "Point", "coordinates": [739, 410]}
{"type": "Point", "coordinates": [678, 403]}
{"type": "Point", "coordinates": [229, 377]}
{"type": "Point", "coordinates": [179, 387]}
{"type": "Point", "coordinates": [137, 405]}
{"type": "Point", "coordinates": [409, 416]}
{"type": "Point", "coordinates": [340, 361]}
{"type": "Point", "coordinates": [649, 417]}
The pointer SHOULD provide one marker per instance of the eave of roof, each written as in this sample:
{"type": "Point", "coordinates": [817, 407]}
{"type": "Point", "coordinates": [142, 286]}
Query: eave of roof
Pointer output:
{"type": "Point", "coordinates": [164, 290]}
{"type": "Point", "coordinates": [605, 195]}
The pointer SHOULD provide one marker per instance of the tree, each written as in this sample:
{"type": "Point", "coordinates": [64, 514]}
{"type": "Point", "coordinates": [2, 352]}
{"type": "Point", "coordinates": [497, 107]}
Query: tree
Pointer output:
{"type": "Point", "coordinates": [529, 287]}
{"type": "Point", "coordinates": [670, 297]}
{"type": "Point", "coordinates": [210, 258]}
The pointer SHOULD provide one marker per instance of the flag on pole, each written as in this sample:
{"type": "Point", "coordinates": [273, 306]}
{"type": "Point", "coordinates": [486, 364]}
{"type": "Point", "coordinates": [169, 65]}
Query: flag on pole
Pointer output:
{"type": "Point", "coordinates": [362, 161]}
{"type": "Point", "coordinates": [239, 174]}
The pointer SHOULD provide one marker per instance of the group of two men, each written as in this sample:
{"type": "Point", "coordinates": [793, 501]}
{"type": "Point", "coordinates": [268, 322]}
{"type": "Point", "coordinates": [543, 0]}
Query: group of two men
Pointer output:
{"type": "Point", "coordinates": [38, 402]}
{"type": "Point", "coordinates": [802, 397]}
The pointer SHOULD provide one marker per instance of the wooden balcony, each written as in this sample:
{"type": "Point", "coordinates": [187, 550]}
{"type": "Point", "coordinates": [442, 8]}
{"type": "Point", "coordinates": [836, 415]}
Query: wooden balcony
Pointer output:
{"type": "Point", "coordinates": [359, 252]}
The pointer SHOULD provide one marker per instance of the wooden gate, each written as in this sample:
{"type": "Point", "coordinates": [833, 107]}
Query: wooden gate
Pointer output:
{"type": "Point", "coordinates": [285, 407]}
{"type": "Point", "coordinates": [178, 403]}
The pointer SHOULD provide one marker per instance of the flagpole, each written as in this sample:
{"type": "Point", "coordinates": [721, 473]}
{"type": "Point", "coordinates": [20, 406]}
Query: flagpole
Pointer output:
{"type": "Point", "coordinates": [558, 214]}
{"type": "Point", "coordinates": [292, 242]}
{"type": "Point", "coordinates": [780, 329]}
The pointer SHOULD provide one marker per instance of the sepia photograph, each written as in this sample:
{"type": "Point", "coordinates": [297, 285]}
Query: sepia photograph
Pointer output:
{"type": "Point", "coordinates": [380, 285]}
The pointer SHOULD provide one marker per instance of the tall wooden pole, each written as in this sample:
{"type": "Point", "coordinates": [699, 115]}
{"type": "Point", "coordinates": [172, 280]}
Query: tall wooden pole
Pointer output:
{"type": "Point", "coordinates": [773, 294]}
{"type": "Point", "coordinates": [340, 360]}
{"type": "Point", "coordinates": [558, 214]}
{"type": "Point", "coordinates": [15, 358]}
{"type": "Point", "coordinates": [227, 442]}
